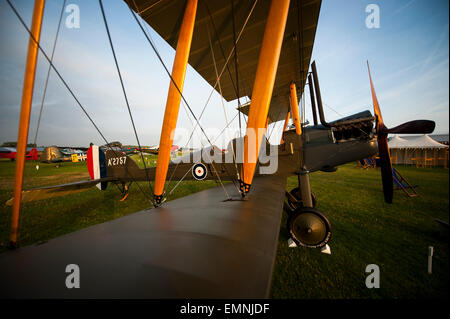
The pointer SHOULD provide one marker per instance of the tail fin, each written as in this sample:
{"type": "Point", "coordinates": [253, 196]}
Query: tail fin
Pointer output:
{"type": "Point", "coordinates": [96, 162]}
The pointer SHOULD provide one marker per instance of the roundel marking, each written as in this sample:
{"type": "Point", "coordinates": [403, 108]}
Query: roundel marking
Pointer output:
{"type": "Point", "coordinates": [199, 171]}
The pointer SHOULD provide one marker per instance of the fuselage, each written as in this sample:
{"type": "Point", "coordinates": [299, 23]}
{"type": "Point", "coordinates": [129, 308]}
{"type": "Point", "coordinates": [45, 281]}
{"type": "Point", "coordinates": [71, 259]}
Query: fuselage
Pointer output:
{"type": "Point", "coordinates": [317, 148]}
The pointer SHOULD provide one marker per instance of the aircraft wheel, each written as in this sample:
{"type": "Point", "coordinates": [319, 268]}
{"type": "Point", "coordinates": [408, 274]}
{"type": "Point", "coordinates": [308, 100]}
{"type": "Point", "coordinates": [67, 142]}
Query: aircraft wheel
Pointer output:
{"type": "Point", "coordinates": [309, 227]}
{"type": "Point", "coordinates": [297, 194]}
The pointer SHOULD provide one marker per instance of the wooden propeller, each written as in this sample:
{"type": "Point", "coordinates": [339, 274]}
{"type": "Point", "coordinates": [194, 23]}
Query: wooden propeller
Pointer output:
{"type": "Point", "coordinates": [412, 127]}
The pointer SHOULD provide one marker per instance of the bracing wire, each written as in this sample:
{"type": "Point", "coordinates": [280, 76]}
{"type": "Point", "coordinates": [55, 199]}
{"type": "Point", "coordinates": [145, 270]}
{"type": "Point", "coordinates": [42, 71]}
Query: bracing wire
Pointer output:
{"type": "Point", "coordinates": [236, 71]}
{"type": "Point", "coordinates": [223, 53]}
{"type": "Point", "coordinates": [236, 88]}
{"type": "Point", "coordinates": [124, 92]}
{"type": "Point", "coordinates": [48, 72]}
{"type": "Point", "coordinates": [220, 74]}
{"type": "Point", "coordinates": [220, 134]}
{"type": "Point", "coordinates": [221, 97]}
{"type": "Point", "coordinates": [150, 37]}
{"type": "Point", "coordinates": [223, 107]}
{"type": "Point", "coordinates": [220, 46]}
{"type": "Point", "coordinates": [178, 89]}
{"type": "Point", "coordinates": [55, 70]}
{"type": "Point", "coordinates": [63, 81]}
{"type": "Point", "coordinates": [227, 60]}
{"type": "Point", "coordinates": [168, 73]}
{"type": "Point", "coordinates": [236, 66]}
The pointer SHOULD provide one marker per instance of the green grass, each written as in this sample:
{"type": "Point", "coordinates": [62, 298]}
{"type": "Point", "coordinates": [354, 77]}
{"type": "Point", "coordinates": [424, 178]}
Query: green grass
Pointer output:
{"type": "Point", "coordinates": [365, 229]}
{"type": "Point", "coordinates": [150, 160]}
{"type": "Point", "coordinates": [46, 219]}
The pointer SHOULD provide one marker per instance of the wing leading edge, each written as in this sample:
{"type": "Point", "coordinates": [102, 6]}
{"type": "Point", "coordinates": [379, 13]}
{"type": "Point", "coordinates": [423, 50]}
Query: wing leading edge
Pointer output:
{"type": "Point", "coordinates": [199, 246]}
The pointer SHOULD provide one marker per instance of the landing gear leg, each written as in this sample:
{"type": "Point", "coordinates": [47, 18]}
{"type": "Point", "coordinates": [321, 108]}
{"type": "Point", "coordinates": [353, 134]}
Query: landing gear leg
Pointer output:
{"type": "Point", "coordinates": [307, 226]}
{"type": "Point", "coordinates": [296, 196]}
{"type": "Point", "coordinates": [305, 189]}
{"type": "Point", "coordinates": [124, 191]}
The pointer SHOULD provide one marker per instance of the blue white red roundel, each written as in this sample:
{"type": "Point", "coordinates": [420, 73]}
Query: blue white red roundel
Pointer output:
{"type": "Point", "coordinates": [199, 171]}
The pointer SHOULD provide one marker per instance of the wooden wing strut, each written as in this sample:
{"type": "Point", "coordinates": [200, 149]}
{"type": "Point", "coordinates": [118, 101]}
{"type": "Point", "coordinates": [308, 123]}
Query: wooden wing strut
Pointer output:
{"type": "Point", "coordinates": [294, 109]}
{"type": "Point", "coordinates": [262, 88]}
{"type": "Point", "coordinates": [174, 98]}
{"type": "Point", "coordinates": [24, 122]}
{"type": "Point", "coordinates": [286, 121]}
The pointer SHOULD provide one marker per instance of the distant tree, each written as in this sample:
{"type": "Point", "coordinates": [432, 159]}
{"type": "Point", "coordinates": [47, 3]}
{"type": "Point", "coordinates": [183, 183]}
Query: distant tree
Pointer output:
{"type": "Point", "coordinates": [14, 144]}
{"type": "Point", "coordinates": [9, 144]}
{"type": "Point", "coordinates": [114, 144]}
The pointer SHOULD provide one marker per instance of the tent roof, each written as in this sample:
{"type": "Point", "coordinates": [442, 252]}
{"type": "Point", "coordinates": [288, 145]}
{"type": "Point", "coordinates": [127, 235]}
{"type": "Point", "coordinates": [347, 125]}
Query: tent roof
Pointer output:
{"type": "Point", "coordinates": [423, 141]}
{"type": "Point", "coordinates": [437, 137]}
{"type": "Point", "coordinates": [397, 142]}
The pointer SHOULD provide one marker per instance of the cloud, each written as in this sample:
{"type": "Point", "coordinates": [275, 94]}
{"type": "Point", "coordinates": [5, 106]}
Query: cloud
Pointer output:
{"type": "Point", "coordinates": [397, 11]}
{"type": "Point", "coordinates": [437, 50]}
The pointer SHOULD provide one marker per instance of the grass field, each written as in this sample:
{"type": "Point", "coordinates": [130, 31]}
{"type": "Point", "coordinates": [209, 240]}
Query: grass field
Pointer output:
{"type": "Point", "coordinates": [365, 229]}
{"type": "Point", "coordinates": [43, 220]}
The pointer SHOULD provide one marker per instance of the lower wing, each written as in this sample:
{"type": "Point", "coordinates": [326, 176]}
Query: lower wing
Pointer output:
{"type": "Point", "coordinates": [199, 246]}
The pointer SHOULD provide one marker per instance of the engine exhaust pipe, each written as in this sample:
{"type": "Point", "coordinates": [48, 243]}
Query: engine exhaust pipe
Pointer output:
{"type": "Point", "coordinates": [319, 97]}
{"type": "Point", "coordinates": [313, 98]}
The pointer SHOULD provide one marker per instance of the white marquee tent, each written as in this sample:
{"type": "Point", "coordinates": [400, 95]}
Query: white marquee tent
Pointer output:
{"type": "Point", "coordinates": [419, 151]}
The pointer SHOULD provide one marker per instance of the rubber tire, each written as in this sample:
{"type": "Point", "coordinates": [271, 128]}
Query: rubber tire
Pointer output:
{"type": "Point", "coordinates": [291, 220]}
{"type": "Point", "coordinates": [294, 192]}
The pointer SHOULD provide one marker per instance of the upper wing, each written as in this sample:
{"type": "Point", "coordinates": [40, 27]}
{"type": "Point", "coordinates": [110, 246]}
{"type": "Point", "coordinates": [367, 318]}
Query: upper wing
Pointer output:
{"type": "Point", "coordinates": [198, 246]}
{"type": "Point", "coordinates": [214, 21]}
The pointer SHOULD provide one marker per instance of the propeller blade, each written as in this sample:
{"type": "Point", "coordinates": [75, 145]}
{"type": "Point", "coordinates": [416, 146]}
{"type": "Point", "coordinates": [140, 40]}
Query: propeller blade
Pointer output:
{"type": "Point", "coordinates": [386, 169]}
{"type": "Point", "coordinates": [376, 106]}
{"type": "Point", "coordinates": [414, 127]}
{"type": "Point", "coordinates": [383, 148]}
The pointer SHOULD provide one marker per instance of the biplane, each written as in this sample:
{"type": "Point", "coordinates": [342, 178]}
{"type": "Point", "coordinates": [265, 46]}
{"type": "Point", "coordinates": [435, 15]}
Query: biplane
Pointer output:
{"type": "Point", "coordinates": [218, 243]}
{"type": "Point", "coordinates": [52, 154]}
{"type": "Point", "coordinates": [10, 153]}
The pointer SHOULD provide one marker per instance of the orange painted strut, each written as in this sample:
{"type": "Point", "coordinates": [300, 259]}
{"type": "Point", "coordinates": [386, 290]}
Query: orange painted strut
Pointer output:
{"type": "Point", "coordinates": [24, 121]}
{"type": "Point", "coordinates": [286, 121]}
{"type": "Point", "coordinates": [294, 109]}
{"type": "Point", "coordinates": [263, 87]}
{"type": "Point", "coordinates": [174, 97]}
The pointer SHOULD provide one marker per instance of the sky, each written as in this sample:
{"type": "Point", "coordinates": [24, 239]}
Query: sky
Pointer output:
{"type": "Point", "coordinates": [408, 56]}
